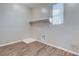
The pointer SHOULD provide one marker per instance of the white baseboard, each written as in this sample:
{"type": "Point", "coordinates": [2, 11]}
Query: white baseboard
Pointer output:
{"type": "Point", "coordinates": [29, 40]}
{"type": "Point", "coordinates": [10, 43]}
{"type": "Point", "coordinates": [59, 47]}
{"type": "Point", "coordinates": [32, 40]}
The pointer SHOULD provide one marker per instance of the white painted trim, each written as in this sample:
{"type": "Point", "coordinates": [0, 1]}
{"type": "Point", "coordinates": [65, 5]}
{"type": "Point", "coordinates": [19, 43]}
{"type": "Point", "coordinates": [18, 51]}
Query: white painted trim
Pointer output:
{"type": "Point", "coordinates": [32, 40]}
{"type": "Point", "coordinates": [59, 47]}
{"type": "Point", "coordinates": [29, 40]}
{"type": "Point", "coordinates": [10, 43]}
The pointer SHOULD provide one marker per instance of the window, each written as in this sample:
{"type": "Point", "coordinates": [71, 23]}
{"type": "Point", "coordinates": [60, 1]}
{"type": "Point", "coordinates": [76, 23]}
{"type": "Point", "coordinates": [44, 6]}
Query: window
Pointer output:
{"type": "Point", "coordinates": [58, 14]}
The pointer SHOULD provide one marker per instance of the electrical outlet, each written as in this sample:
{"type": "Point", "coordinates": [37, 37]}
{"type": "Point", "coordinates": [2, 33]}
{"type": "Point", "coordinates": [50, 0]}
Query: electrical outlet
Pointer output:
{"type": "Point", "coordinates": [43, 37]}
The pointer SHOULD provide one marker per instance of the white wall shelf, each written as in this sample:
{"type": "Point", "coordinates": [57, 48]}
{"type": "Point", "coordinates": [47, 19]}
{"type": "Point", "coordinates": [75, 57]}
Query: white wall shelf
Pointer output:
{"type": "Point", "coordinates": [39, 21]}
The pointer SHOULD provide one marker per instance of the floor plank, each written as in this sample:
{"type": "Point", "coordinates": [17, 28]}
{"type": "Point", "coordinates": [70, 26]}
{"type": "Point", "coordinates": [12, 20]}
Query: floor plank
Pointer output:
{"type": "Point", "coordinates": [32, 49]}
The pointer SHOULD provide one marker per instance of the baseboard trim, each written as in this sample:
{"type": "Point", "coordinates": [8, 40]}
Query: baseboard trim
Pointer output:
{"type": "Point", "coordinates": [59, 47]}
{"type": "Point", "coordinates": [10, 43]}
{"type": "Point", "coordinates": [29, 40]}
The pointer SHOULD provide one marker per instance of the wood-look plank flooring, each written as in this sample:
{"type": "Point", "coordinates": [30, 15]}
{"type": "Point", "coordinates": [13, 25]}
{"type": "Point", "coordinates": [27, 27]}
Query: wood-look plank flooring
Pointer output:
{"type": "Point", "coordinates": [32, 49]}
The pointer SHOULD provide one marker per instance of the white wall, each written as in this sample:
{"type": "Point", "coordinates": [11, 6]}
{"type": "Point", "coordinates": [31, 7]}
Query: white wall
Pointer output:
{"type": "Point", "coordinates": [66, 35]}
{"type": "Point", "coordinates": [14, 26]}
{"type": "Point", "coordinates": [14, 22]}
{"type": "Point", "coordinates": [37, 12]}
